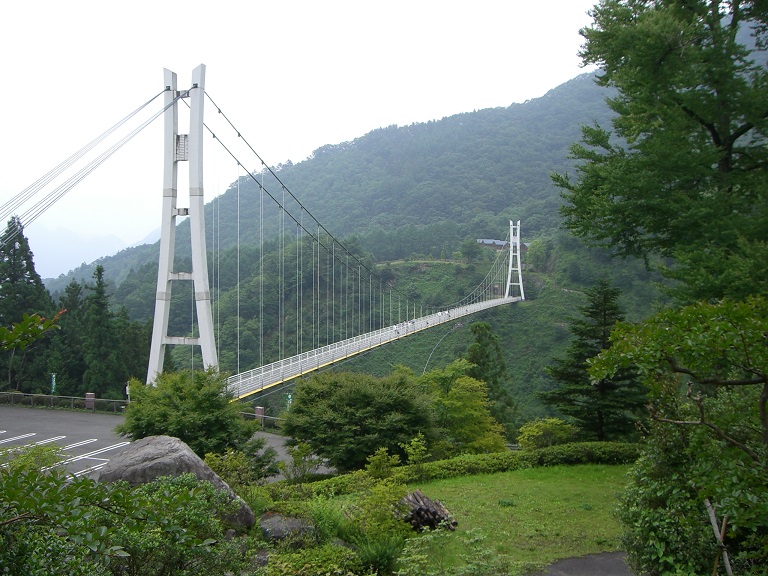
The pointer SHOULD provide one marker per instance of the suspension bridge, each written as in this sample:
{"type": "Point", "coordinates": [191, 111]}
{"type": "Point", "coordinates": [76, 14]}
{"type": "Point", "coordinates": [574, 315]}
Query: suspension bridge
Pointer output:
{"type": "Point", "coordinates": [330, 303]}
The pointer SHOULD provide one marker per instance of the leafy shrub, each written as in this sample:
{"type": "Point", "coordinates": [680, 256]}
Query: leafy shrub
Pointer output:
{"type": "Point", "coordinates": [468, 464]}
{"type": "Point", "coordinates": [325, 560]}
{"type": "Point", "coordinates": [380, 463]}
{"type": "Point", "coordinates": [169, 526]}
{"type": "Point", "coordinates": [302, 465]}
{"type": "Point", "coordinates": [245, 467]}
{"type": "Point", "coordinates": [193, 406]}
{"type": "Point", "coordinates": [545, 432]}
{"type": "Point", "coordinates": [31, 457]}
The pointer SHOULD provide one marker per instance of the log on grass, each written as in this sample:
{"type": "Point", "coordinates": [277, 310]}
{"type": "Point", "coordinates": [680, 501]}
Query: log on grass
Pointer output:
{"type": "Point", "coordinates": [421, 512]}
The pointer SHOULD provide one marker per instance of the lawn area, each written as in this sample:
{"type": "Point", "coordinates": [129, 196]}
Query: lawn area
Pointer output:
{"type": "Point", "coordinates": [533, 516]}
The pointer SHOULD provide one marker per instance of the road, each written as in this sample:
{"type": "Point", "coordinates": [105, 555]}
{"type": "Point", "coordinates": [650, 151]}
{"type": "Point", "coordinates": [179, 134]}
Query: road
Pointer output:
{"type": "Point", "coordinates": [88, 439]}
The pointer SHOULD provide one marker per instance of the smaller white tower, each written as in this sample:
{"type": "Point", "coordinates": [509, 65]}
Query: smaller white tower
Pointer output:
{"type": "Point", "coordinates": [515, 275]}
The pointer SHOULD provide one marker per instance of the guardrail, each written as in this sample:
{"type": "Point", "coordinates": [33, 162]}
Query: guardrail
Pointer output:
{"type": "Point", "coordinates": [70, 402]}
{"type": "Point", "coordinates": [259, 379]}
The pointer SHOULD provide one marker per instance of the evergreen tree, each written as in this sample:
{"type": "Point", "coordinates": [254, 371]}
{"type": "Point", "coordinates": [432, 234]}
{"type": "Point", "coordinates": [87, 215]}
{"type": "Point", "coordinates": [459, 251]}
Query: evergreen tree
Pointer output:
{"type": "Point", "coordinates": [21, 292]}
{"type": "Point", "coordinates": [66, 356]}
{"type": "Point", "coordinates": [489, 367]}
{"type": "Point", "coordinates": [105, 369]}
{"type": "Point", "coordinates": [609, 408]}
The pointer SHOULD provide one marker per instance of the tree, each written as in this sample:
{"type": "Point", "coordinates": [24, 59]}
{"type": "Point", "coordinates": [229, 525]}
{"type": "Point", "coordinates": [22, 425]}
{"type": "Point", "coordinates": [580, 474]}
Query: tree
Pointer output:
{"type": "Point", "coordinates": [194, 406]}
{"type": "Point", "coordinates": [683, 177]}
{"type": "Point", "coordinates": [470, 250]}
{"type": "Point", "coordinates": [21, 293]}
{"type": "Point", "coordinates": [65, 353]}
{"type": "Point", "coordinates": [105, 366]}
{"type": "Point", "coordinates": [706, 366]}
{"type": "Point", "coordinates": [489, 367]}
{"type": "Point", "coordinates": [463, 412]}
{"type": "Point", "coordinates": [608, 408]}
{"type": "Point", "coordinates": [346, 417]}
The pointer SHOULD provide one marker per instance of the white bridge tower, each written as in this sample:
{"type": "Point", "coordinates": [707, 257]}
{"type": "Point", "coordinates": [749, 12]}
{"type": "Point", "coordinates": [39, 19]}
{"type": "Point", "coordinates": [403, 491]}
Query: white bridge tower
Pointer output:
{"type": "Point", "coordinates": [515, 274]}
{"type": "Point", "coordinates": [180, 148]}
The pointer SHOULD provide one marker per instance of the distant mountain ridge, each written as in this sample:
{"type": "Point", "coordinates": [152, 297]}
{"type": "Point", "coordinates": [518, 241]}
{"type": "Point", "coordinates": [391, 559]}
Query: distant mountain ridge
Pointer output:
{"type": "Point", "coordinates": [468, 173]}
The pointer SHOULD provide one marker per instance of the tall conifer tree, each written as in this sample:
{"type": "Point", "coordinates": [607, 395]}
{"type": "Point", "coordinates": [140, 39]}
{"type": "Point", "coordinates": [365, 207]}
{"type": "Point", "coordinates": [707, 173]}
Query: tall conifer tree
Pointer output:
{"type": "Point", "coordinates": [608, 409]}
{"type": "Point", "coordinates": [21, 292]}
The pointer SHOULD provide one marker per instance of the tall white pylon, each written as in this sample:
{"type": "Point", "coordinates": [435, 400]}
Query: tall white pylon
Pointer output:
{"type": "Point", "coordinates": [179, 148]}
{"type": "Point", "coordinates": [515, 280]}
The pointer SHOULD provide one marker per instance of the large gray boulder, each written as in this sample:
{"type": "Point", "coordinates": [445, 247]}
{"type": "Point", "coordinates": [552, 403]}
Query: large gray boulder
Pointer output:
{"type": "Point", "coordinates": [149, 458]}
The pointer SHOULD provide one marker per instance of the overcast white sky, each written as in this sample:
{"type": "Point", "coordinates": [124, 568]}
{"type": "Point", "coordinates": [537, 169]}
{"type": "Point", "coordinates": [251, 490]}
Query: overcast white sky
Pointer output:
{"type": "Point", "coordinates": [292, 75]}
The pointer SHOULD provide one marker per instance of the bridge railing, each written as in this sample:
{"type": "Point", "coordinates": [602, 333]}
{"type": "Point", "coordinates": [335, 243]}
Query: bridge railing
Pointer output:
{"type": "Point", "coordinates": [259, 379]}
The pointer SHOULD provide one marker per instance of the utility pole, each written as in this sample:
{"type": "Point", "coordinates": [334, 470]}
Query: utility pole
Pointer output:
{"type": "Point", "coordinates": [181, 148]}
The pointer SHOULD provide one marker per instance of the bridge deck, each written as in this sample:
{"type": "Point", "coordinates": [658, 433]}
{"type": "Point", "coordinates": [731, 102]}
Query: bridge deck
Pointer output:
{"type": "Point", "coordinates": [260, 379]}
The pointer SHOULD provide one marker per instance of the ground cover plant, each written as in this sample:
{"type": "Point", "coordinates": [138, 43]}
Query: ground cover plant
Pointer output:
{"type": "Point", "coordinates": [520, 520]}
{"type": "Point", "coordinates": [509, 522]}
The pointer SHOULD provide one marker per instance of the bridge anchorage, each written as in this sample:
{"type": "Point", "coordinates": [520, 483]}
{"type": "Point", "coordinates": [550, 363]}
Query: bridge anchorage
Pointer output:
{"type": "Point", "coordinates": [322, 265]}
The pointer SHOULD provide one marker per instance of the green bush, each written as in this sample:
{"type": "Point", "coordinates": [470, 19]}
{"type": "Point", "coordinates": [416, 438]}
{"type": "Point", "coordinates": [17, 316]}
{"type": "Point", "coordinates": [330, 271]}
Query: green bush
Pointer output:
{"type": "Point", "coordinates": [325, 560]}
{"type": "Point", "coordinates": [465, 465]}
{"type": "Point", "coordinates": [170, 526]}
{"type": "Point", "coordinates": [545, 432]}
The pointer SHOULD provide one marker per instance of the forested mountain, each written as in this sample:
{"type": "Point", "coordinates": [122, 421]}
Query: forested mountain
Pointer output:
{"type": "Point", "coordinates": [405, 199]}
{"type": "Point", "coordinates": [419, 188]}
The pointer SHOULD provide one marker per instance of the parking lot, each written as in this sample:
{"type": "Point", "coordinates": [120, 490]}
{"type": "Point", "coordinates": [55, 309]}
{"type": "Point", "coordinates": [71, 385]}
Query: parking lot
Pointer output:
{"type": "Point", "coordinates": [88, 439]}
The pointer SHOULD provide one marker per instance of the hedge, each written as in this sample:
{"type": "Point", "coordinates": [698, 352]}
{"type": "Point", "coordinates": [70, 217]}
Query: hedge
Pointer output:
{"type": "Point", "coordinates": [467, 465]}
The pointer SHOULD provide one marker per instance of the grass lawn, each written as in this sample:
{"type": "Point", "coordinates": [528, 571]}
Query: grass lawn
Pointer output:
{"type": "Point", "coordinates": [533, 516]}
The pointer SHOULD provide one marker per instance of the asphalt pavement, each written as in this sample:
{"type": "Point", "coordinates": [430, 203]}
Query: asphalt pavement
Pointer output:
{"type": "Point", "coordinates": [88, 438]}
{"type": "Point", "coordinates": [606, 564]}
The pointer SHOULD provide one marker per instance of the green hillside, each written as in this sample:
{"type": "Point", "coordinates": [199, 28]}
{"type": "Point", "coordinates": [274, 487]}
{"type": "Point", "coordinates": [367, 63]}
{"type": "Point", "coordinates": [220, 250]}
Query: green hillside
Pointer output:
{"type": "Point", "coordinates": [404, 199]}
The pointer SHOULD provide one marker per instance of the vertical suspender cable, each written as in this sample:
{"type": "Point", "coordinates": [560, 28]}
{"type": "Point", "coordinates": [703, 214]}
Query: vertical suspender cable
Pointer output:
{"type": "Point", "coordinates": [261, 268]}
{"type": "Point", "coordinates": [238, 268]}
{"type": "Point", "coordinates": [298, 290]}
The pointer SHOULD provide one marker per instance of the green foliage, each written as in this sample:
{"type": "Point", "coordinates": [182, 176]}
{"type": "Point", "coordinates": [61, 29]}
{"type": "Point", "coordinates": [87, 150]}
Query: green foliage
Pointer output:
{"type": "Point", "coordinates": [239, 469]}
{"type": "Point", "coordinates": [302, 464]}
{"type": "Point", "coordinates": [545, 432]}
{"type": "Point", "coordinates": [417, 453]}
{"type": "Point", "coordinates": [706, 367]}
{"type": "Point", "coordinates": [462, 411]}
{"type": "Point", "coordinates": [325, 560]}
{"type": "Point", "coordinates": [490, 367]}
{"type": "Point", "coordinates": [381, 463]}
{"type": "Point", "coordinates": [604, 409]}
{"type": "Point", "coordinates": [345, 417]}
{"type": "Point", "coordinates": [170, 526]}
{"type": "Point", "coordinates": [425, 555]}
{"type": "Point", "coordinates": [192, 406]}
{"type": "Point", "coordinates": [24, 302]}
{"type": "Point", "coordinates": [174, 526]}
{"type": "Point", "coordinates": [683, 177]}
{"type": "Point", "coordinates": [27, 331]}
{"type": "Point", "coordinates": [45, 514]}
{"type": "Point", "coordinates": [37, 457]}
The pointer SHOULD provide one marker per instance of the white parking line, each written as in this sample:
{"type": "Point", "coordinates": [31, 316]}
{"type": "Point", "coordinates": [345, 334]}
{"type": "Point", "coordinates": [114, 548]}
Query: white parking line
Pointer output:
{"type": "Point", "coordinates": [17, 437]}
{"type": "Point", "coordinates": [78, 444]}
{"type": "Point", "coordinates": [89, 470]}
{"type": "Point", "coordinates": [48, 441]}
{"type": "Point", "coordinates": [89, 454]}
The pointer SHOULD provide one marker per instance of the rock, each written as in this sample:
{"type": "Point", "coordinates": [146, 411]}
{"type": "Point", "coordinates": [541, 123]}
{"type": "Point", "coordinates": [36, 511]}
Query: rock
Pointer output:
{"type": "Point", "coordinates": [154, 456]}
{"type": "Point", "coordinates": [276, 527]}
